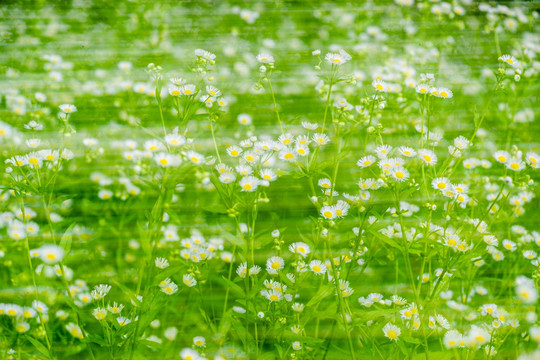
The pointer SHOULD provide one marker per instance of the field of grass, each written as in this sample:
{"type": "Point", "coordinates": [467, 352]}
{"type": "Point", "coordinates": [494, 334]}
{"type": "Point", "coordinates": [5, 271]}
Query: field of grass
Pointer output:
{"type": "Point", "coordinates": [269, 179]}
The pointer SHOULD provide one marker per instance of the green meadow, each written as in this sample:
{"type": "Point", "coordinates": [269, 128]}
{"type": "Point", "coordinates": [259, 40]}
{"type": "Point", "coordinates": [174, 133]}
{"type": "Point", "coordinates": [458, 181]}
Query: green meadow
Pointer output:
{"type": "Point", "coordinates": [269, 179]}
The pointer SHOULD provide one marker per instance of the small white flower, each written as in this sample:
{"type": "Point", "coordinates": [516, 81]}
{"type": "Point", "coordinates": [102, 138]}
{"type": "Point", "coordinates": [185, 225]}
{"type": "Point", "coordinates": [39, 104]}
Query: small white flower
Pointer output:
{"type": "Point", "coordinates": [68, 108]}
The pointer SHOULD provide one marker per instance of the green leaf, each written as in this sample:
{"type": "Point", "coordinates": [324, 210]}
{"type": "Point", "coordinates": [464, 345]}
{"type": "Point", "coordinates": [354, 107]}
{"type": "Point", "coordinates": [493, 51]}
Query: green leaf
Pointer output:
{"type": "Point", "coordinates": [234, 287]}
{"type": "Point", "coordinates": [96, 340]}
{"type": "Point", "coordinates": [411, 340]}
{"type": "Point", "coordinates": [67, 239]}
{"type": "Point", "coordinates": [321, 294]}
{"type": "Point", "coordinates": [39, 346]}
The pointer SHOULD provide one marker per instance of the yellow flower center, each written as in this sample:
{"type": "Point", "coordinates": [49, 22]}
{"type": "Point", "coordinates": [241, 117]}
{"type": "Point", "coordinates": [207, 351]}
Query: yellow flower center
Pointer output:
{"type": "Point", "coordinates": [21, 328]}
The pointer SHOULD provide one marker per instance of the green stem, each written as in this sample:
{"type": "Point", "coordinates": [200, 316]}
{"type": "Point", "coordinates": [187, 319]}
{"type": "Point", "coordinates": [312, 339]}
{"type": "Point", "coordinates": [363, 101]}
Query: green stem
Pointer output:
{"type": "Point", "coordinates": [276, 109]}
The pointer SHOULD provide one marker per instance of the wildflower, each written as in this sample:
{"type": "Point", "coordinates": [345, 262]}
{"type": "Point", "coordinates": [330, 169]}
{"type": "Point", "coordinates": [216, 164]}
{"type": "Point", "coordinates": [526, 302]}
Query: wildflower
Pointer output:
{"type": "Point", "coordinates": [509, 59]}
{"type": "Point", "coordinates": [337, 59]}
{"type": "Point", "coordinates": [532, 159]}
{"type": "Point", "coordinates": [227, 256]}
{"type": "Point", "coordinates": [105, 194]}
{"type": "Point", "coordinates": [325, 183]}
{"type": "Point", "coordinates": [168, 287]}
{"type": "Point", "coordinates": [445, 93]}
{"type": "Point", "coordinates": [67, 108]}
{"type": "Point", "coordinates": [175, 140]}
{"type": "Point", "coordinates": [188, 89]}
{"type": "Point", "coordinates": [285, 139]}
{"type": "Point", "coordinates": [501, 156]}
{"type": "Point", "coordinates": [242, 270]}
{"type": "Point", "coordinates": [189, 280]}
{"type": "Point", "coordinates": [391, 331]}
{"type": "Point", "coordinates": [167, 160]}
{"type": "Point", "coordinates": [400, 173]}
{"type": "Point", "coordinates": [40, 307]}
{"type": "Point", "coordinates": [318, 267]}
{"type": "Point", "coordinates": [244, 119]}
{"type": "Point", "coordinates": [161, 263]}
{"type": "Point", "coordinates": [272, 295]}
{"type": "Point", "coordinates": [254, 270]}
{"type": "Point", "coordinates": [526, 290]}
{"type": "Point", "coordinates": [29, 312]}
{"type": "Point", "coordinates": [427, 156]}
{"type": "Point", "coordinates": [265, 58]}
{"type": "Point", "coordinates": [422, 88]}
{"type": "Point", "coordinates": [227, 178]}
{"type": "Point", "coordinates": [170, 333]}
{"type": "Point", "coordinates": [74, 330]}
{"type": "Point", "coordinates": [234, 151]}
{"type": "Point", "coordinates": [297, 345]}
{"type": "Point", "coordinates": [379, 85]}
{"type": "Point", "coordinates": [302, 150]}
{"type": "Point", "coordinates": [274, 264]}
{"type": "Point", "coordinates": [175, 91]}
{"type": "Point", "coordinates": [477, 336]}
{"type": "Point", "coordinates": [310, 126]}
{"type": "Point", "coordinates": [452, 339]}
{"type": "Point", "coordinates": [300, 248]}
{"type": "Point", "coordinates": [407, 151]}
{"type": "Point", "coordinates": [515, 164]}
{"type": "Point", "coordinates": [441, 184]}
{"type": "Point", "coordinates": [249, 183]}
{"type": "Point", "coordinates": [51, 254]}
{"type": "Point", "coordinates": [189, 354]}
{"type": "Point", "coordinates": [199, 341]}
{"type": "Point", "coordinates": [328, 212]}
{"type": "Point", "coordinates": [287, 154]}
{"type": "Point", "coordinates": [115, 308]}
{"type": "Point", "coordinates": [123, 321]}
{"type": "Point", "coordinates": [195, 157]}
{"type": "Point", "coordinates": [22, 327]}
{"type": "Point", "coordinates": [382, 151]}
{"type": "Point", "coordinates": [366, 161]}
{"type": "Point", "coordinates": [99, 313]}
{"type": "Point", "coordinates": [249, 16]}
{"type": "Point", "coordinates": [213, 91]}
{"type": "Point", "coordinates": [268, 174]}
{"type": "Point", "coordinates": [320, 139]}
{"type": "Point", "coordinates": [39, 96]}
